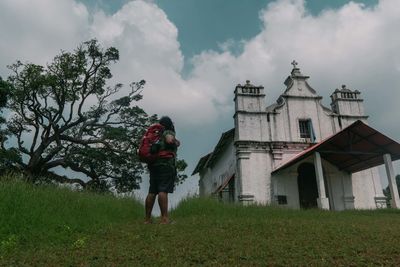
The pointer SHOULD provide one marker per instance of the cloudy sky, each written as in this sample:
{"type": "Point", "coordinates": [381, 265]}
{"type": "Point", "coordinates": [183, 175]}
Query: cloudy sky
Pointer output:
{"type": "Point", "coordinates": [192, 53]}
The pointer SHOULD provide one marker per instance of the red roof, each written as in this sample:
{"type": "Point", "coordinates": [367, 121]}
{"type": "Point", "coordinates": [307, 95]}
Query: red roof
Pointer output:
{"type": "Point", "coordinates": [355, 148]}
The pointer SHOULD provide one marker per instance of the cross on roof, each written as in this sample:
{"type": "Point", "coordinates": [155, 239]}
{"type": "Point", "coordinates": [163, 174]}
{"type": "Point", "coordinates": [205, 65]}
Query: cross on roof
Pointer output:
{"type": "Point", "coordinates": [294, 63]}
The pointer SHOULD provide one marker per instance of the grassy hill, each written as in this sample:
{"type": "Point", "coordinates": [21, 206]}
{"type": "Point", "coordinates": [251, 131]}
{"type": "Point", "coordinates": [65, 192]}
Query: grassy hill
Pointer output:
{"type": "Point", "coordinates": [47, 226]}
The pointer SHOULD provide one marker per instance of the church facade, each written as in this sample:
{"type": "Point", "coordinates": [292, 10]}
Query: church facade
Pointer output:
{"type": "Point", "coordinates": [246, 164]}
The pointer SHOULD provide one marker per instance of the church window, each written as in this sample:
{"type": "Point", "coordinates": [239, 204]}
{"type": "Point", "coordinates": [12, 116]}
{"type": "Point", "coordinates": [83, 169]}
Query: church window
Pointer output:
{"type": "Point", "coordinates": [306, 129]}
{"type": "Point", "coordinates": [282, 200]}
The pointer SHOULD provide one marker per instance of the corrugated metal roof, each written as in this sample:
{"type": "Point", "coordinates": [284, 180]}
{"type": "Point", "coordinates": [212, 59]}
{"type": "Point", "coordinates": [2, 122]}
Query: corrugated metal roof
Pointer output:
{"type": "Point", "coordinates": [355, 148]}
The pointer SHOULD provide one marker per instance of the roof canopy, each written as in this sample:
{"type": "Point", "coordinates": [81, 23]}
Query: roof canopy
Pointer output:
{"type": "Point", "coordinates": [355, 148]}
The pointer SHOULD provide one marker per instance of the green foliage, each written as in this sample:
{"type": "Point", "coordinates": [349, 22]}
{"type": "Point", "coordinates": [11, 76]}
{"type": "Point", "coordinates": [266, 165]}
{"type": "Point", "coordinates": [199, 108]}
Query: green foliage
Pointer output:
{"type": "Point", "coordinates": [79, 243]}
{"type": "Point", "coordinates": [46, 216]}
{"type": "Point", "coordinates": [4, 91]}
{"type": "Point", "coordinates": [206, 233]}
{"type": "Point", "coordinates": [50, 107]}
{"type": "Point", "coordinates": [8, 244]}
{"type": "Point", "coordinates": [8, 156]}
{"type": "Point", "coordinates": [180, 167]}
{"type": "Point", "coordinates": [388, 193]}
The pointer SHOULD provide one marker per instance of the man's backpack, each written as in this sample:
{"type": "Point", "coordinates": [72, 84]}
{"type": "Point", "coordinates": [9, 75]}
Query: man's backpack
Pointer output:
{"type": "Point", "coordinates": [147, 149]}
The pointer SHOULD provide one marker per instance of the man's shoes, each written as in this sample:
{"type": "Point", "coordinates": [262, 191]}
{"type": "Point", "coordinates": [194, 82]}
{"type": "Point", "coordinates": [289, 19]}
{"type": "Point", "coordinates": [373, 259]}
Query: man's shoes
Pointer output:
{"type": "Point", "coordinates": [167, 222]}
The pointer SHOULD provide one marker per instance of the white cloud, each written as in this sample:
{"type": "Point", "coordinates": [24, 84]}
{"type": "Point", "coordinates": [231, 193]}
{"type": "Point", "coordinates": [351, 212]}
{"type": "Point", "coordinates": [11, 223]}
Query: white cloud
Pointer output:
{"type": "Point", "coordinates": [354, 45]}
{"type": "Point", "coordinates": [36, 31]}
{"type": "Point", "coordinates": [149, 50]}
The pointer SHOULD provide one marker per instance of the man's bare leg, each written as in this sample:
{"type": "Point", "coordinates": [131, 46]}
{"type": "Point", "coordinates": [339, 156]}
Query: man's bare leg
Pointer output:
{"type": "Point", "coordinates": [163, 203]}
{"type": "Point", "coordinates": [149, 203]}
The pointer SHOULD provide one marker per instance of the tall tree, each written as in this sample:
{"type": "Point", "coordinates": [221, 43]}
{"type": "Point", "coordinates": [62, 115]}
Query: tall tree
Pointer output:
{"type": "Point", "coordinates": [7, 155]}
{"type": "Point", "coordinates": [66, 116]}
{"type": "Point", "coordinates": [4, 90]}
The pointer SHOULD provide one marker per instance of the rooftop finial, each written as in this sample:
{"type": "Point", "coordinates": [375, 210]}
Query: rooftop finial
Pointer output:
{"type": "Point", "coordinates": [294, 63]}
{"type": "Point", "coordinates": [343, 86]}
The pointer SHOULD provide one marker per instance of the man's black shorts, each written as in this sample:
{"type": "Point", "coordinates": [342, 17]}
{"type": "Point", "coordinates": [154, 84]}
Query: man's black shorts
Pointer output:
{"type": "Point", "coordinates": [162, 178]}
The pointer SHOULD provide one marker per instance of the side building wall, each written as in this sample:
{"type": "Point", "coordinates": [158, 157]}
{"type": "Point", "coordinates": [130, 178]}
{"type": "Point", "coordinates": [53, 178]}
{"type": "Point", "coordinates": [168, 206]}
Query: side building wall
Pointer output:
{"type": "Point", "coordinates": [213, 177]}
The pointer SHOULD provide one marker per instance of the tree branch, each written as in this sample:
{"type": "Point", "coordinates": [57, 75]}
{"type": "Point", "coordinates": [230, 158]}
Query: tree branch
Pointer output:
{"type": "Point", "coordinates": [64, 179]}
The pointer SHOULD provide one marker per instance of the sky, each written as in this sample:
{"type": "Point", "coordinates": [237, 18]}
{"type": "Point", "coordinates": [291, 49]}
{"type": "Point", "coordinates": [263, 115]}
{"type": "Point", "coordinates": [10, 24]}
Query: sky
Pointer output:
{"type": "Point", "coordinates": [193, 53]}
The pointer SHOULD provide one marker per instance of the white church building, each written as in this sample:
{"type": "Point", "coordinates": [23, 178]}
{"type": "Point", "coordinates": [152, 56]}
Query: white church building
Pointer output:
{"type": "Point", "coordinates": [298, 153]}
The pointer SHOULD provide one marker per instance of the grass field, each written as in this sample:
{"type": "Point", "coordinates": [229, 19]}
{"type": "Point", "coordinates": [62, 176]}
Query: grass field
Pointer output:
{"type": "Point", "coordinates": [46, 226]}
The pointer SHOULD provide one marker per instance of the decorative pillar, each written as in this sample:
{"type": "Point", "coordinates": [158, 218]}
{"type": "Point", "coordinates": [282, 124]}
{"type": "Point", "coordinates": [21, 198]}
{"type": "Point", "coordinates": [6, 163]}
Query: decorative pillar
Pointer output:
{"type": "Point", "coordinates": [392, 181]}
{"type": "Point", "coordinates": [323, 201]}
{"type": "Point", "coordinates": [245, 195]}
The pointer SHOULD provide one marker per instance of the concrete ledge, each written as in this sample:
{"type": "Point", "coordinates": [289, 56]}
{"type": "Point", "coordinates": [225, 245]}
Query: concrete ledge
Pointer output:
{"type": "Point", "coordinates": [246, 198]}
{"type": "Point", "coordinates": [380, 202]}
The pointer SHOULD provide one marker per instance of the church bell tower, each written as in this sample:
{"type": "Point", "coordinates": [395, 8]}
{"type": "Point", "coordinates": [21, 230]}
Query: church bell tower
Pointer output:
{"type": "Point", "coordinates": [250, 131]}
{"type": "Point", "coordinates": [249, 110]}
{"type": "Point", "coordinates": [349, 106]}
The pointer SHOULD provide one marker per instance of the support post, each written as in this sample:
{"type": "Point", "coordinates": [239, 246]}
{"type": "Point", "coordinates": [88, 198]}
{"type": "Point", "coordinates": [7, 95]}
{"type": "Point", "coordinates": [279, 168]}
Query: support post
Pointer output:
{"type": "Point", "coordinates": [246, 196]}
{"type": "Point", "coordinates": [323, 201]}
{"type": "Point", "coordinates": [348, 196]}
{"type": "Point", "coordinates": [392, 181]}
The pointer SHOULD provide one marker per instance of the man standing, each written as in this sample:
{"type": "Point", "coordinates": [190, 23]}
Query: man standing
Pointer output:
{"type": "Point", "coordinates": [162, 171]}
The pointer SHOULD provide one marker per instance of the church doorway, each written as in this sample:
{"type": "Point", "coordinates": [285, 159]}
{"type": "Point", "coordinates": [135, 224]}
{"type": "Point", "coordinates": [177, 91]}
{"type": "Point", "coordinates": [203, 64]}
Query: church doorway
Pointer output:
{"type": "Point", "coordinates": [307, 183]}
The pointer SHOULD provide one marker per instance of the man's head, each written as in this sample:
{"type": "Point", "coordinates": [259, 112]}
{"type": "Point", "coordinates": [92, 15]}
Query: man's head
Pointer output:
{"type": "Point", "coordinates": [167, 123]}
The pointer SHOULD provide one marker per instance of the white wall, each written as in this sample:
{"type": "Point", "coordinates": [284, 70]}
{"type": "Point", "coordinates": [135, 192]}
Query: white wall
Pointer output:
{"type": "Point", "coordinates": [338, 188]}
{"type": "Point", "coordinates": [255, 176]}
{"type": "Point", "coordinates": [254, 127]}
{"type": "Point", "coordinates": [225, 167]}
{"type": "Point", "coordinates": [297, 109]}
{"type": "Point", "coordinates": [285, 183]}
{"type": "Point", "coordinates": [367, 186]}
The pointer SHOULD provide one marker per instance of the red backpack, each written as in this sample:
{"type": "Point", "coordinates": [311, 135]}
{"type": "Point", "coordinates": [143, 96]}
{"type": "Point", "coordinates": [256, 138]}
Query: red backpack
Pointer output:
{"type": "Point", "coordinates": [152, 136]}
